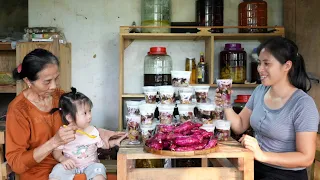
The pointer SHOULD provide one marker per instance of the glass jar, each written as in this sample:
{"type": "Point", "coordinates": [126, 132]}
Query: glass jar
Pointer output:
{"type": "Point", "coordinates": [210, 13]}
{"type": "Point", "coordinates": [233, 63]}
{"type": "Point", "coordinates": [253, 13]}
{"type": "Point", "coordinates": [157, 67]}
{"type": "Point", "coordinates": [155, 13]}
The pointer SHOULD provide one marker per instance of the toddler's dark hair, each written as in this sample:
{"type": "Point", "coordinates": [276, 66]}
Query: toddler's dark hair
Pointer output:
{"type": "Point", "coordinates": [68, 104]}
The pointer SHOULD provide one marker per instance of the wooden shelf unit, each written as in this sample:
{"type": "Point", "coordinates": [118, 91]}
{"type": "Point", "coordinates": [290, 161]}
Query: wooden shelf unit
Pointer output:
{"type": "Point", "coordinates": [10, 58]}
{"type": "Point", "coordinates": [127, 38]}
{"type": "Point", "coordinates": [6, 46]}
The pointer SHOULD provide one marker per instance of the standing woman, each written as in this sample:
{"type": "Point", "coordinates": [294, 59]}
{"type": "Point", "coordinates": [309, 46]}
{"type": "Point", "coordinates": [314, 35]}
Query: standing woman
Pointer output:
{"type": "Point", "coordinates": [284, 117]}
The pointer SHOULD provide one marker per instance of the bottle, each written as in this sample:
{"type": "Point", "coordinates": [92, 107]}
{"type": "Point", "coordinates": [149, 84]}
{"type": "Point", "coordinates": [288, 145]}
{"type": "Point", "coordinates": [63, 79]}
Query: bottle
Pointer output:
{"type": "Point", "coordinates": [191, 66]}
{"type": "Point", "coordinates": [134, 30]}
{"type": "Point", "coordinates": [202, 71]}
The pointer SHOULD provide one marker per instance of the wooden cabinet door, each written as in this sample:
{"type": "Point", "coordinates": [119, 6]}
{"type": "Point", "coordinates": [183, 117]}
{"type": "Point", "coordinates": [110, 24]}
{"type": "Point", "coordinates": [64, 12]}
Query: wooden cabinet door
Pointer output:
{"type": "Point", "coordinates": [62, 51]}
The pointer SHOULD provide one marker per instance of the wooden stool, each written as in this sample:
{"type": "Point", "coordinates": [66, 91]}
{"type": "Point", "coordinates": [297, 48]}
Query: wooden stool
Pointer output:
{"type": "Point", "coordinates": [80, 177]}
{"type": "Point", "coordinates": [110, 176]}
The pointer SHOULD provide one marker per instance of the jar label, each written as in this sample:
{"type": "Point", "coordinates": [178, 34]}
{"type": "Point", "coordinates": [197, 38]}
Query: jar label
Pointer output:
{"type": "Point", "coordinates": [199, 73]}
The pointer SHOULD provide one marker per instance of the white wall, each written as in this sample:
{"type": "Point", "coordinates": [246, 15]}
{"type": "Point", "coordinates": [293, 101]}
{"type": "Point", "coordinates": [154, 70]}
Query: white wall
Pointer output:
{"type": "Point", "coordinates": [93, 26]}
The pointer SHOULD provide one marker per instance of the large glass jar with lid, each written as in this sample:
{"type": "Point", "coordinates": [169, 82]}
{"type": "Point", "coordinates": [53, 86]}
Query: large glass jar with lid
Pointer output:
{"type": "Point", "coordinates": [155, 13]}
{"type": "Point", "coordinates": [253, 13]}
{"type": "Point", "coordinates": [233, 63]}
{"type": "Point", "coordinates": [157, 67]}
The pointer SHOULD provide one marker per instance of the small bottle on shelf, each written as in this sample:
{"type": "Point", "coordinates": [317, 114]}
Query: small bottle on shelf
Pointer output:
{"type": "Point", "coordinates": [202, 71]}
{"type": "Point", "coordinates": [191, 66]}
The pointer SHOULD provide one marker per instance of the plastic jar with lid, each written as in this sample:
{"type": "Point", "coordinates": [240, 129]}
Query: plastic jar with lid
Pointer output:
{"type": "Point", "coordinates": [222, 131]}
{"type": "Point", "coordinates": [157, 67]}
{"type": "Point", "coordinates": [155, 13]}
{"type": "Point", "coordinates": [233, 63]}
{"type": "Point", "coordinates": [253, 13]}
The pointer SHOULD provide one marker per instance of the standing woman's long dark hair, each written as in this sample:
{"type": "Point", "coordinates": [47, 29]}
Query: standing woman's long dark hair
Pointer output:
{"type": "Point", "coordinates": [285, 50]}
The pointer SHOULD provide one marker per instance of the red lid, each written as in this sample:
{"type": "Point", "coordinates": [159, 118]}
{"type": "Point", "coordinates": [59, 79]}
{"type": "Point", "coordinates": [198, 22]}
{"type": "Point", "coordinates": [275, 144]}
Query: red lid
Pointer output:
{"type": "Point", "coordinates": [158, 50]}
{"type": "Point", "coordinates": [242, 98]}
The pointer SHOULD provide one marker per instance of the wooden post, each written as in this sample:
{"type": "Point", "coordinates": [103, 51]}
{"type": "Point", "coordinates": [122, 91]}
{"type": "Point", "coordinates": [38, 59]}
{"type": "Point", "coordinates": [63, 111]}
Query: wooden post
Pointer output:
{"type": "Point", "coordinates": [248, 167]}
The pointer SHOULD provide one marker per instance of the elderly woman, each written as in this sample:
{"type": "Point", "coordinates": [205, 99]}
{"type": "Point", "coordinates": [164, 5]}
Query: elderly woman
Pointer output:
{"type": "Point", "coordinates": [32, 133]}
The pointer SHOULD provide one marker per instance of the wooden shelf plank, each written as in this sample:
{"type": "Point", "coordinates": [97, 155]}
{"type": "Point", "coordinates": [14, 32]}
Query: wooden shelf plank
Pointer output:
{"type": "Point", "coordinates": [164, 36]}
{"type": "Point", "coordinates": [203, 35]}
{"type": "Point", "coordinates": [6, 46]}
{"type": "Point", "coordinates": [233, 85]}
{"type": "Point", "coordinates": [8, 89]}
{"type": "Point", "coordinates": [245, 36]}
{"type": "Point", "coordinates": [181, 36]}
{"type": "Point", "coordinates": [127, 95]}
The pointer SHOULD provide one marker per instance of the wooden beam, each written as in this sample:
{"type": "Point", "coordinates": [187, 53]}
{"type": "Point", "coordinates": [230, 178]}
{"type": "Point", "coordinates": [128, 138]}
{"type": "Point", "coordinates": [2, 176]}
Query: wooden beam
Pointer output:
{"type": "Point", "coordinates": [289, 18]}
{"type": "Point", "coordinates": [195, 173]}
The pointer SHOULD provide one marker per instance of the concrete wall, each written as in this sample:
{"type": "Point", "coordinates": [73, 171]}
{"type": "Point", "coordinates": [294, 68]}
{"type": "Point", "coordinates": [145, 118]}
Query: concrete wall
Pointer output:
{"type": "Point", "coordinates": [93, 26]}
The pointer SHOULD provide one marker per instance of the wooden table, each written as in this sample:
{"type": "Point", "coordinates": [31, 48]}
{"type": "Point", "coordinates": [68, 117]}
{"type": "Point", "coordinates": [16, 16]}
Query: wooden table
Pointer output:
{"type": "Point", "coordinates": [231, 161]}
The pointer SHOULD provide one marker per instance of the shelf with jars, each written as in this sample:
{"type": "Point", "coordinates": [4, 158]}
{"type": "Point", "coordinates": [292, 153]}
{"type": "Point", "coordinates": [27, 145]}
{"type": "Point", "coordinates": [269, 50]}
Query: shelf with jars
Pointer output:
{"type": "Point", "coordinates": [203, 34]}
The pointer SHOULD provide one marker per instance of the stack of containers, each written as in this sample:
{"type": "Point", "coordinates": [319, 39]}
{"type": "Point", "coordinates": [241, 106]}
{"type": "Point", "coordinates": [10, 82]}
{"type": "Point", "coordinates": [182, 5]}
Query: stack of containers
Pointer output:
{"type": "Point", "coordinates": [147, 111]}
{"type": "Point", "coordinates": [181, 81]}
{"type": "Point", "coordinates": [167, 104]}
{"type": "Point", "coordinates": [133, 121]}
{"type": "Point", "coordinates": [206, 110]}
{"type": "Point", "coordinates": [222, 131]}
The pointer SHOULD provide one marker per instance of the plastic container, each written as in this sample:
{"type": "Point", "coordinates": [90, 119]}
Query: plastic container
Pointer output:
{"type": "Point", "coordinates": [206, 113]}
{"type": "Point", "coordinates": [185, 94]}
{"type": "Point", "coordinates": [201, 93]}
{"type": "Point", "coordinates": [146, 132]}
{"type": "Point", "coordinates": [224, 86]}
{"type": "Point", "coordinates": [166, 94]}
{"type": "Point", "coordinates": [233, 63]}
{"type": "Point", "coordinates": [133, 107]}
{"type": "Point", "coordinates": [222, 131]}
{"type": "Point", "coordinates": [253, 13]}
{"type": "Point", "coordinates": [180, 78]}
{"type": "Point", "coordinates": [155, 13]}
{"type": "Point", "coordinates": [208, 128]}
{"type": "Point", "coordinates": [166, 113]}
{"type": "Point", "coordinates": [210, 13]}
{"type": "Point", "coordinates": [133, 129]}
{"type": "Point", "coordinates": [157, 67]}
{"type": "Point", "coordinates": [147, 113]}
{"type": "Point", "coordinates": [150, 94]}
{"type": "Point", "coordinates": [186, 112]}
